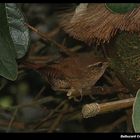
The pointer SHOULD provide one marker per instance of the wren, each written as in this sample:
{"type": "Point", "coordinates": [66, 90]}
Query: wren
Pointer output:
{"type": "Point", "coordinates": [76, 74]}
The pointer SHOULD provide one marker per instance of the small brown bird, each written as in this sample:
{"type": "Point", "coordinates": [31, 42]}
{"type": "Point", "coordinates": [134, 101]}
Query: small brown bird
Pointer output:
{"type": "Point", "coordinates": [75, 75]}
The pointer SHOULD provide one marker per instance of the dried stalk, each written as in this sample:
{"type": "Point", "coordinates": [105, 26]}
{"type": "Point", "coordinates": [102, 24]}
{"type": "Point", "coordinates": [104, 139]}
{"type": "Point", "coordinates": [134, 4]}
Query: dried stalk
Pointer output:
{"type": "Point", "coordinates": [104, 91]}
{"type": "Point", "coordinates": [45, 37]}
{"type": "Point", "coordinates": [90, 110]}
{"type": "Point", "coordinates": [111, 126]}
{"type": "Point", "coordinates": [12, 120]}
{"type": "Point", "coordinates": [32, 103]}
{"type": "Point", "coordinates": [49, 115]}
{"type": "Point", "coordinates": [58, 119]}
{"type": "Point", "coordinates": [39, 93]}
{"type": "Point", "coordinates": [15, 125]}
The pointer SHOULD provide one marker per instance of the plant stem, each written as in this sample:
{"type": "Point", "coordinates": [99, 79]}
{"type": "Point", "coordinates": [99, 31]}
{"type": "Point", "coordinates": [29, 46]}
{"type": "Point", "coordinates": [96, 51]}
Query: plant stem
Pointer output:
{"type": "Point", "coordinates": [48, 38]}
{"type": "Point", "coordinates": [90, 110]}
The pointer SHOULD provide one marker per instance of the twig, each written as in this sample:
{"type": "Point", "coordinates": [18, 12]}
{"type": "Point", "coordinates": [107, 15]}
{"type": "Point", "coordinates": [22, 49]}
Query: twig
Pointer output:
{"type": "Point", "coordinates": [15, 125]}
{"type": "Point", "coordinates": [12, 120]}
{"type": "Point", "coordinates": [125, 81]}
{"type": "Point", "coordinates": [43, 59]}
{"type": "Point", "coordinates": [40, 92]}
{"type": "Point", "coordinates": [111, 126]}
{"type": "Point", "coordinates": [75, 49]}
{"type": "Point", "coordinates": [49, 115]}
{"type": "Point", "coordinates": [117, 123]}
{"type": "Point", "coordinates": [33, 131]}
{"type": "Point", "coordinates": [97, 90]}
{"type": "Point", "coordinates": [58, 119]}
{"type": "Point", "coordinates": [129, 121]}
{"type": "Point", "coordinates": [128, 113]}
{"type": "Point", "coordinates": [108, 90]}
{"type": "Point", "coordinates": [48, 38]}
{"type": "Point", "coordinates": [54, 32]}
{"type": "Point", "coordinates": [113, 79]}
{"type": "Point", "coordinates": [40, 101]}
{"type": "Point", "coordinates": [90, 110]}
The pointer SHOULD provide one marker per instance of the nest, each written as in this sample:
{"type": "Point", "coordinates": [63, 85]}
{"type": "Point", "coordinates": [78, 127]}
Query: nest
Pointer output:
{"type": "Point", "coordinates": [95, 23]}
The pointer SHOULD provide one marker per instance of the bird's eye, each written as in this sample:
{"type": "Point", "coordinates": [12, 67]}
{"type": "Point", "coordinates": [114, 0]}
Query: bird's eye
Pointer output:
{"type": "Point", "coordinates": [100, 64]}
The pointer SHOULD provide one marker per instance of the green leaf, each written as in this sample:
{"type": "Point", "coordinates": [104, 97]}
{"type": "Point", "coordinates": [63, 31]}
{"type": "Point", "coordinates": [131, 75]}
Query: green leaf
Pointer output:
{"type": "Point", "coordinates": [121, 7]}
{"type": "Point", "coordinates": [19, 32]}
{"type": "Point", "coordinates": [8, 65]}
{"type": "Point", "coordinates": [14, 39]}
{"type": "Point", "coordinates": [136, 113]}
